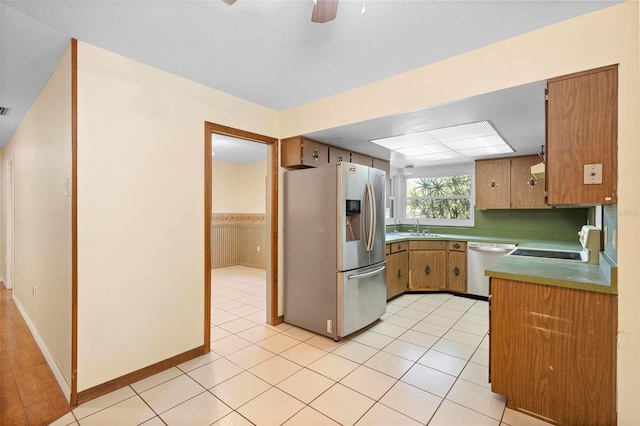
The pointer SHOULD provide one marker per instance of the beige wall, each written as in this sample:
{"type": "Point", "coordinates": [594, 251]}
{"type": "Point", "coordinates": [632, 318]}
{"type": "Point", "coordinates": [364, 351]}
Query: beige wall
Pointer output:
{"type": "Point", "coordinates": [224, 188]}
{"type": "Point", "coordinates": [41, 151]}
{"type": "Point", "coordinates": [251, 186]}
{"type": "Point", "coordinates": [140, 205]}
{"type": "Point", "coordinates": [605, 37]}
{"type": "Point", "coordinates": [238, 188]}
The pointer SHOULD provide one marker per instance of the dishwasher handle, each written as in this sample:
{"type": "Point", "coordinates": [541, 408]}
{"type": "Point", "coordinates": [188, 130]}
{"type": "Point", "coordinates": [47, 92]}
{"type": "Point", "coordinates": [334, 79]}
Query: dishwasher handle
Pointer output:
{"type": "Point", "coordinates": [493, 249]}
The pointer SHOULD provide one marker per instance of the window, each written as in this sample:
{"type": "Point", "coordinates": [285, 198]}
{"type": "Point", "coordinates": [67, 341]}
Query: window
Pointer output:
{"type": "Point", "coordinates": [390, 211]}
{"type": "Point", "coordinates": [440, 200]}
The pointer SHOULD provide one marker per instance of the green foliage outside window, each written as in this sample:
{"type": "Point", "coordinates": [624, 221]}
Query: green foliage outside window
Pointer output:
{"type": "Point", "coordinates": [442, 197]}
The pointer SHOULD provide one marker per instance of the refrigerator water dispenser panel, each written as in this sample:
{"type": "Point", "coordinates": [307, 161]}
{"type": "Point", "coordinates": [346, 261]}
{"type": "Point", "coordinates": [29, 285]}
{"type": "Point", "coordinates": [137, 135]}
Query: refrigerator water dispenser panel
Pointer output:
{"type": "Point", "coordinates": [353, 207]}
{"type": "Point", "coordinates": [352, 211]}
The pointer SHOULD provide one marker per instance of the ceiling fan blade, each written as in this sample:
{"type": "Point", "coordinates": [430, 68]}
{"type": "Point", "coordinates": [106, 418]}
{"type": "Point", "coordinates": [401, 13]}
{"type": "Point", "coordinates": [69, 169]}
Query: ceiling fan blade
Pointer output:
{"type": "Point", "coordinates": [324, 11]}
{"type": "Point", "coordinates": [229, 2]}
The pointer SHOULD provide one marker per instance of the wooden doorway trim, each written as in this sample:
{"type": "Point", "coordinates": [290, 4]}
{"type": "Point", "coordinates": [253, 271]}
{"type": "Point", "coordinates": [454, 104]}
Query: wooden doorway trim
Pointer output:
{"type": "Point", "coordinates": [73, 400]}
{"type": "Point", "coordinates": [272, 175]}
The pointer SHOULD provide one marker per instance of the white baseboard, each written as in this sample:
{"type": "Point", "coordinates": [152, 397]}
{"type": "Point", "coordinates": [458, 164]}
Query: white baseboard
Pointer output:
{"type": "Point", "coordinates": [5, 283]}
{"type": "Point", "coordinates": [64, 386]}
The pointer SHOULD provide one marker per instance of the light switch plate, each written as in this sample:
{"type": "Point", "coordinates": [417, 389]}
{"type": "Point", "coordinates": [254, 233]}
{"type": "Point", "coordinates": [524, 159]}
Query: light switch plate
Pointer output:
{"type": "Point", "coordinates": [593, 174]}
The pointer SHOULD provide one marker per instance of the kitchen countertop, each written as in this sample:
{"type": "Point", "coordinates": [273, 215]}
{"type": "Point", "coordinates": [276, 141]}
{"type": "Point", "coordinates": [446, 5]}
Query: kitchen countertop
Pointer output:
{"type": "Point", "coordinates": [559, 273]}
{"type": "Point", "coordinates": [600, 278]}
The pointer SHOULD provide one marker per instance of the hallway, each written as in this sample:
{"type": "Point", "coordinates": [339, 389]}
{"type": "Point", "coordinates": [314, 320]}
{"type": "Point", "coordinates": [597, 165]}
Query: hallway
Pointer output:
{"type": "Point", "coordinates": [29, 393]}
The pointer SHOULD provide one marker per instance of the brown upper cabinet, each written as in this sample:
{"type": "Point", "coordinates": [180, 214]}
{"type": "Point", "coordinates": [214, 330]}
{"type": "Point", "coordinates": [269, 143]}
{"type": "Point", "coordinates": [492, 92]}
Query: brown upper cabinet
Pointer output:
{"type": "Point", "coordinates": [506, 183]}
{"type": "Point", "coordinates": [338, 155]}
{"type": "Point", "coordinates": [299, 151]}
{"type": "Point", "coordinates": [582, 133]}
{"type": "Point", "coordinates": [365, 160]}
{"type": "Point", "coordinates": [493, 184]}
{"type": "Point", "coordinates": [526, 192]}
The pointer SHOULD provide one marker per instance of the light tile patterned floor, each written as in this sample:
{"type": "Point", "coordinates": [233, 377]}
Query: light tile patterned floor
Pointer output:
{"type": "Point", "coordinates": [425, 362]}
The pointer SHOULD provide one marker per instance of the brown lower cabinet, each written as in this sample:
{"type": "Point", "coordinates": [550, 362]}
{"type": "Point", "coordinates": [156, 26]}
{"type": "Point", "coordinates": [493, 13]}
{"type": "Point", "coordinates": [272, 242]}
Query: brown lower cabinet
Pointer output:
{"type": "Point", "coordinates": [428, 270]}
{"type": "Point", "coordinates": [553, 351]}
{"type": "Point", "coordinates": [457, 271]}
{"type": "Point", "coordinates": [397, 274]}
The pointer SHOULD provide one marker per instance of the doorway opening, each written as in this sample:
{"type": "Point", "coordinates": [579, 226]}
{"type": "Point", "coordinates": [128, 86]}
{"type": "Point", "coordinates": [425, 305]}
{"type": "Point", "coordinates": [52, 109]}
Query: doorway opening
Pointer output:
{"type": "Point", "coordinates": [241, 220]}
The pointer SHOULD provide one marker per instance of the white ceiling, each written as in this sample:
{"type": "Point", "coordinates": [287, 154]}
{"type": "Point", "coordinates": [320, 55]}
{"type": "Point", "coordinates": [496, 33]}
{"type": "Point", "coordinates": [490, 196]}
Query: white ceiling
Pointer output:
{"type": "Point", "coordinates": [265, 51]}
{"type": "Point", "coordinates": [237, 151]}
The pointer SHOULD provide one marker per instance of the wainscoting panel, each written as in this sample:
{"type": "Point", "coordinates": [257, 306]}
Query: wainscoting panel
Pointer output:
{"type": "Point", "coordinates": [253, 237]}
{"type": "Point", "coordinates": [235, 238]}
{"type": "Point", "coordinates": [225, 246]}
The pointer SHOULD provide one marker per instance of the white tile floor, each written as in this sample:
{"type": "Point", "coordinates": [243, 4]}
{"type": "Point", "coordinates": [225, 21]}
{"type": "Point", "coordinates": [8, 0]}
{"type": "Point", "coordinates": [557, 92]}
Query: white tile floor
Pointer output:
{"type": "Point", "coordinates": [424, 363]}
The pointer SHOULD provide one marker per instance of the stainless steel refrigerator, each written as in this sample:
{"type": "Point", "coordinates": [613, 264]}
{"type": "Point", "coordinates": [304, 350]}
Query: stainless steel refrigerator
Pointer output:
{"type": "Point", "coordinates": [334, 248]}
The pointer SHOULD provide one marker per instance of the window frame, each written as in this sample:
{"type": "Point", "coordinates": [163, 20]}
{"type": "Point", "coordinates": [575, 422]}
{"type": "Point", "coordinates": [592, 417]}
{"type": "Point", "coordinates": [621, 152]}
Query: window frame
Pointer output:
{"type": "Point", "coordinates": [429, 172]}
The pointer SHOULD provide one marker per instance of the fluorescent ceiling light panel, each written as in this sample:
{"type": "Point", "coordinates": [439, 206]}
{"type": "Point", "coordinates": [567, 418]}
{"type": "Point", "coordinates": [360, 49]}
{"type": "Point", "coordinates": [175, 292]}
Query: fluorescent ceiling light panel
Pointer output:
{"type": "Point", "coordinates": [465, 140]}
{"type": "Point", "coordinates": [404, 141]}
{"type": "Point", "coordinates": [462, 131]}
{"type": "Point", "coordinates": [433, 148]}
{"type": "Point", "coordinates": [438, 156]}
{"type": "Point", "coordinates": [487, 150]}
{"type": "Point", "coordinates": [480, 142]}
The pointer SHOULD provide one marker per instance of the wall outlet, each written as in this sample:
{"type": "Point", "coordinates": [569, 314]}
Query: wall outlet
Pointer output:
{"type": "Point", "coordinates": [329, 325]}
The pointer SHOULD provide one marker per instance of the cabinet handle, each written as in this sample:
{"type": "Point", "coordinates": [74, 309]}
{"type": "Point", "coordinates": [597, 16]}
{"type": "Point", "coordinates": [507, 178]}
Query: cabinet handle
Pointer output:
{"type": "Point", "coordinates": [532, 182]}
{"type": "Point", "coordinates": [456, 271]}
{"type": "Point", "coordinates": [456, 246]}
{"type": "Point", "coordinates": [339, 158]}
{"type": "Point", "coordinates": [399, 273]}
{"type": "Point", "coordinates": [399, 246]}
{"type": "Point", "coordinates": [493, 184]}
{"type": "Point", "coordinates": [427, 269]}
{"type": "Point", "coordinates": [316, 155]}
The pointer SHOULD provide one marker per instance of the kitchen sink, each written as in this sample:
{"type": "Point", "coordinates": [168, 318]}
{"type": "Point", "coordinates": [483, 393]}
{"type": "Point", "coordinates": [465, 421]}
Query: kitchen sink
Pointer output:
{"type": "Point", "coordinates": [409, 234]}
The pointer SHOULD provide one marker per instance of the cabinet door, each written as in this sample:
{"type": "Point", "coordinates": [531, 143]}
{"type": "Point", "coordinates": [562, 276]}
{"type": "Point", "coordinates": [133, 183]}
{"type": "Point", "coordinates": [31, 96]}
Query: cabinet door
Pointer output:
{"type": "Point", "coordinates": [382, 165]}
{"type": "Point", "coordinates": [457, 271]}
{"type": "Point", "coordinates": [553, 351]}
{"type": "Point", "coordinates": [365, 160]}
{"type": "Point", "coordinates": [493, 189]}
{"type": "Point", "coordinates": [397, 274]}
{"type": "Point", "coordinates": [314, 154]}
{"type": "Point", "coordinates": [428, 270]}
{"type": "Point", "coordinates": [582, 124]}
{"type": "Point", "coordinates": [338, 155]}
{"type": "Point", "coordinates": [526, 192]}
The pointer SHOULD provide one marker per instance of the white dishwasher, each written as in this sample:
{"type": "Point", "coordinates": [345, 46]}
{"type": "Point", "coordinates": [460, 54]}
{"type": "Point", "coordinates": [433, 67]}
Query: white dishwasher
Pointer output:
{"type": "Point", "coordinates": [481, 256]}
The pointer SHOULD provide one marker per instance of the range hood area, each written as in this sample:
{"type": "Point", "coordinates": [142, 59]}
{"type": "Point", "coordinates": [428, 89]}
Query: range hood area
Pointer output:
{"type": "Point", "coordinates": [537, 170]}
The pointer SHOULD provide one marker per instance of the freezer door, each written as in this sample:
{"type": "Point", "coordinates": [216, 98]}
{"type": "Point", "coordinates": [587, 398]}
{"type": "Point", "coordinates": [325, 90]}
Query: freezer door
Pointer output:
{"type": "Point", "coordinates": [362, 298]}
{"type": "Point", "coordinates": [353, 226]}
{"type": "Point", "coordinates": [377, 180]}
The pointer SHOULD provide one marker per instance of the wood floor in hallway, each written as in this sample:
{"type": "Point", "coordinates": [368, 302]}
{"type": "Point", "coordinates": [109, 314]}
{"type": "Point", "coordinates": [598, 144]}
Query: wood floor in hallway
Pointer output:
{"type": "Point", "coordinates": [29, 393]}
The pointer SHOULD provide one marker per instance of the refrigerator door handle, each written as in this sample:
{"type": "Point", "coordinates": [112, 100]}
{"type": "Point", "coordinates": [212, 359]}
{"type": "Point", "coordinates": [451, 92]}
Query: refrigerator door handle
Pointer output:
{"type": "Point", "coordinates": [367, 274]}
{"type": "Point", "coordinates": [372, 216]}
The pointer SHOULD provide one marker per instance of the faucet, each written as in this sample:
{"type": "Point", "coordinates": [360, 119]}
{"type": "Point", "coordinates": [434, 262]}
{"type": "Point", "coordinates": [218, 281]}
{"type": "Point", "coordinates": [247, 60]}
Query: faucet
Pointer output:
{"type": "Point", "coordinates": [418, 226]}
{"type": "Point", "coordinates": [427, 231]}
{"type": "Point", "coordinates": [395, 224]}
